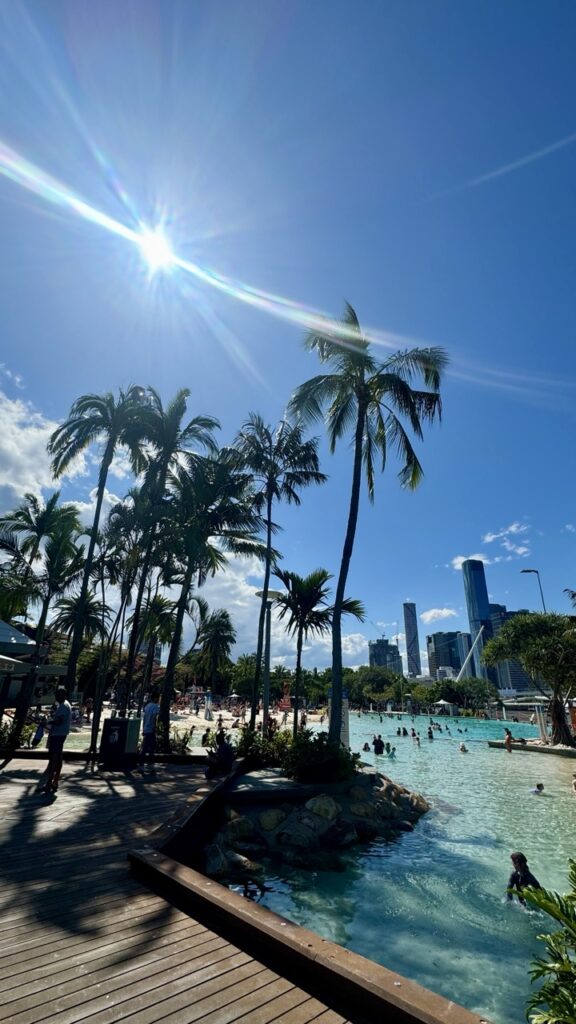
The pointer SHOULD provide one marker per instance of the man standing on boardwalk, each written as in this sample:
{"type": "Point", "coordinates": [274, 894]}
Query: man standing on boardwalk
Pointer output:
{"type": "Point", "coordinates": [149, 719]}
{"type": "Point", "coordinates": [59, 729]}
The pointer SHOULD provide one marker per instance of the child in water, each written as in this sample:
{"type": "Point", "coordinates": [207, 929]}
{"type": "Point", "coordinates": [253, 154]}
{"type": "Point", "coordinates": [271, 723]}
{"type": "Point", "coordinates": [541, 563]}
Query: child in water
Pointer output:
{"type": "Point", "coordinates": [520, 877]}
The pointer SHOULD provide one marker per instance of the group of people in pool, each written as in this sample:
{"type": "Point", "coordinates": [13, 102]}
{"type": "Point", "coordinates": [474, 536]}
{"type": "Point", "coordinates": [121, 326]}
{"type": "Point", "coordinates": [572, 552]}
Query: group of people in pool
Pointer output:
{"type": "Point", "coordinates": [380, 747]}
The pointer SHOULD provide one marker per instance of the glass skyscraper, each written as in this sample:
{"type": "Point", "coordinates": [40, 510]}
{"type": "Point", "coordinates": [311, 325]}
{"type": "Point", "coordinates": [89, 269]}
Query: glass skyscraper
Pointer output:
{"type": "Point", "coordinates": [478, 607]}
{"type": "Point", "coordinates": [412, 641]}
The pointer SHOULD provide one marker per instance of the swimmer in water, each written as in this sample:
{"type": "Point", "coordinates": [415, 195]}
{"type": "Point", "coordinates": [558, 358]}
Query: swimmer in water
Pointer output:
{"type": "Point", "coordinates": [463, 748]}
{"type": "Point", "coordinates": [520, 877]}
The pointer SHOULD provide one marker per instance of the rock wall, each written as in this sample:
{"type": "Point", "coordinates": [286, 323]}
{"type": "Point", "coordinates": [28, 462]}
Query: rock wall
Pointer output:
{"type": "Point", "coordinates": [310, 834]}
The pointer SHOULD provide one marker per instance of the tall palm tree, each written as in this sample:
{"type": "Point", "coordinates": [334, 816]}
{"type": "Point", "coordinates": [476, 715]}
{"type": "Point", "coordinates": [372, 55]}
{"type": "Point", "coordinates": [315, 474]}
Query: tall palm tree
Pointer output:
{"type": "Point", "coordinates": [212, 513]}
{"type": "Point", "coordinates": [92, 616]}
{"type": "Point", "coordinates": [113, 422]}
{"type": "Point", "coordinates": [370, 400]}
{"type": "Point", "coordinates": [305, 606]}
{"type": "Point", "coordinates": [217, 638]}
{"type": "Point", "coordinates": [281, 463]}
{"type": "Point", "coordinates": [171, 444]}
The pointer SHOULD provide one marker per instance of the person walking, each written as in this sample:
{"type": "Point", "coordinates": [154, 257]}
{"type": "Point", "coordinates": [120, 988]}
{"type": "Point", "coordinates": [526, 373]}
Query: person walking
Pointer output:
{"type": "Point", "coordinates": [59, 729]}
{"type": "Point", "coordinates": [149, 720]}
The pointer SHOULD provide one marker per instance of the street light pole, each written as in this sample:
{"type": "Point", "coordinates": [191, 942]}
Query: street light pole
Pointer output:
{"type": "Point", "coordinates": [537, 573]}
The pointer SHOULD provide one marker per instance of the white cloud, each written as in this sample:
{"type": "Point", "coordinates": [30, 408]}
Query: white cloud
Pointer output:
{"type": "Point", "coordinates": [15, 378]}
{"type": "Point", "coordinates": [513, 530]}
{"type": "Point", "coordinates": [86, 509]}
{"type": "Point", "coordinates": [570, 528]}
{"type": "Point", "coordinates": [435, 614]}
{"type": "Point", "coordinates": [456, 562]}
{"type": "Point", "coordinates": [24, 462]}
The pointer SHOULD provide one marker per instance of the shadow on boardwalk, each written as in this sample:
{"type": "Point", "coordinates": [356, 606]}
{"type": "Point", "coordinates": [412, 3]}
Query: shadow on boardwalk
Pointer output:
{"type": "Point", "coordinates": [60, 854]}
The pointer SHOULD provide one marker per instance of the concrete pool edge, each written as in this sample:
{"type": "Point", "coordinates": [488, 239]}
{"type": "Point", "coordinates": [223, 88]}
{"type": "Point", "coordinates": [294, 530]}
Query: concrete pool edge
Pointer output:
{"type": "Point", "coordinates": [325, 967]}
{"type": "Point", "coordinates": [533, 748]}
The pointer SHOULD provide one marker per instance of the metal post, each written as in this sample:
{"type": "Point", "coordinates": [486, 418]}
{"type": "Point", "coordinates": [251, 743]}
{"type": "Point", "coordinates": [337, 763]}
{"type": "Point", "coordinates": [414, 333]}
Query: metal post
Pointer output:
{"type": "Point", "coordinates": [266, 677]}
{"type": "Point", "coordinates": [541, 591]}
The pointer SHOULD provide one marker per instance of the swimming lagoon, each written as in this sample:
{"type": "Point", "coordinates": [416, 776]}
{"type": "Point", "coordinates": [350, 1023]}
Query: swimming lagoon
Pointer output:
{"type": "Point", "coordinates": [431, 905]}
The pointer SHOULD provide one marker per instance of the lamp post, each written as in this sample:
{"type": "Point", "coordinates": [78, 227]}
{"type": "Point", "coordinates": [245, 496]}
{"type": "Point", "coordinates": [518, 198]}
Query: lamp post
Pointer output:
{"type": "Point", "coordinates": [271, 596]}
{"type": "Point", "coordinates": [539, 584]}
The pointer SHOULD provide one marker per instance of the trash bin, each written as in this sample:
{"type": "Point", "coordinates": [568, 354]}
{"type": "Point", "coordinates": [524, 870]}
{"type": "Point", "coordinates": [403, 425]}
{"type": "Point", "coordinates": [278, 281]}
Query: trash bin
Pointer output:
{"type": "Point", "coordinates": [119, 743]}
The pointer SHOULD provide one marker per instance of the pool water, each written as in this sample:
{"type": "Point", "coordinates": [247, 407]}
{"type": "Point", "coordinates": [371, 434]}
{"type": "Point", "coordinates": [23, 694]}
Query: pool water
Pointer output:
{"type": "Point", "coordinates": [431, 905]}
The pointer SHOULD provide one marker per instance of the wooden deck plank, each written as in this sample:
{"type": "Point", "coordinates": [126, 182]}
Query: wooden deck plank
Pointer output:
{"type": "Point", "coordinates": [83, 941]}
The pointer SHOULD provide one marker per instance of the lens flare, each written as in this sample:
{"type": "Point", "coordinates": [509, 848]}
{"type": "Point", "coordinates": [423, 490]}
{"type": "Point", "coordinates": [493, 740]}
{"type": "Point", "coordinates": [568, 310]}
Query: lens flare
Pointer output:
{"type": "Point", "coordinates": [156, 249]}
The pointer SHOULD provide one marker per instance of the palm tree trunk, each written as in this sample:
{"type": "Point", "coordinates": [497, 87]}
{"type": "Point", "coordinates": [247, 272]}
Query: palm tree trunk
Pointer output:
{"type": "Point", "coordinates": [173, 657]}
{"type": "Point", "coordinates": [297, 680]}
{"type": "Point", "coordinates": [135, 632]}
{"type": "Point", "coordinates": [335, 728]}
{"type": "Point", "coordinates": [262, 617]}
{"type": "Point", "coordinates": [76, 644]}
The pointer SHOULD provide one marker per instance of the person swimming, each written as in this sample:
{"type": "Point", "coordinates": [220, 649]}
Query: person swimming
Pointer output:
{"type": "Point", "coordinates": [463, 748]}
{"type": "Point", "coordinates": [538, 789]}
{"type": "Point", "coordinates": [520, 877]}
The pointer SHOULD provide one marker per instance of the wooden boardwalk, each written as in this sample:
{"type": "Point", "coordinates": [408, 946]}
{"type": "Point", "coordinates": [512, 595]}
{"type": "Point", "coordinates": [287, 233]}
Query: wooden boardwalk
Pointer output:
{"type": "Point", "coordinates": [81, 940]}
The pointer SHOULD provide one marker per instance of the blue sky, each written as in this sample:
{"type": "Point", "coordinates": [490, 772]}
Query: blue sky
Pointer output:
{"type": "Point", "coordinates": [373, 152]}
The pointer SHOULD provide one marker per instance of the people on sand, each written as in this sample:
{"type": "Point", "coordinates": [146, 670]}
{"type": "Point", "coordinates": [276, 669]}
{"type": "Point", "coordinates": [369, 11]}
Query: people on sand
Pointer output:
{"type": "Point", "coordinates": [59, 729]}
{"type": "Point", "coordinates": [520, 877]}
{"type": "Point", "coordinates": [538, 789]}
{"type": "Point", "coordinates": [149, 720]}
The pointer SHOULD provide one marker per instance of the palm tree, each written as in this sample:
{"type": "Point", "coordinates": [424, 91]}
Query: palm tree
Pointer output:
{"type": "Point", "coordinates": [90, 618]}
{"type": "Point", "coordinates": [33, 522]}
{"type": "Point", "coordinates": [281, 462]}
{"type": "Point", "coordinates": [158, 625]}
{"type": "Point", "coordinates": [211, 512]}
{"type": "Point", "coordinates": [171, 445]}
{"type": "Point", "coordinates": [62, 567]}
{"type": "Point", "coordinates": [305, 606]}
{"type": "Point", "coordinates": [114, 422]}
{"type": "Point", "coordinates": [217, 638]}
{"type": "Point", "coordinates": [370, 399]}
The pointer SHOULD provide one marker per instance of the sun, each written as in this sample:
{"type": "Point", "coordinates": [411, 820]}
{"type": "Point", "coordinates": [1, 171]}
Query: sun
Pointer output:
{"type": "Point", "coordinates": [155, 249]}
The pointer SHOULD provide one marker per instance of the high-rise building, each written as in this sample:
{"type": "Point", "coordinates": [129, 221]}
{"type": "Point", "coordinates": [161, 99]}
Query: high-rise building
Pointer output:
{"type": "Point", "coordinates": [443, 653]}
{"type": "Point", "coordinates": [464, 643]}
{"type": "Point", "coordinates": [412, 641]}
{"type": "Point", "coordinates": [478, 608]}
{"type": "Point", "coordinates": [384, 654]}
{"type": "Point", "coordinates": [510, 674]}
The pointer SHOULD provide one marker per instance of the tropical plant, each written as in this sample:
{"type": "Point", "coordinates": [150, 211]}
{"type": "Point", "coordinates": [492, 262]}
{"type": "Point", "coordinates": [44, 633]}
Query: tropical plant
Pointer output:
{"type": "Point", "coordinates": [61, 568]}
{"type": "Point", "coordinates": [90, 618]}
{"type": "Point", "coordinates": [371, 399]}
{"type": "Point", "coordinates": [216, 639]}
{"type": "Point", "coordinates": [554, 1002]}
{"type": "Point", "coordinates": [33, 522]}
{"type": "Point", "coordinates": [113, 422]}
{"type": "Point", "coordinates": [313, 757]}
{"type": "Point", "coordinates": [210, 513]}
{"type": "Point", "coordinates": [545, 645]}
{"type": "Point", "coordinates": [281, 463]}
{"type": "Point", "coordinates": [171, 446]}
{"type": "Point", "coordinates": [304, 605]}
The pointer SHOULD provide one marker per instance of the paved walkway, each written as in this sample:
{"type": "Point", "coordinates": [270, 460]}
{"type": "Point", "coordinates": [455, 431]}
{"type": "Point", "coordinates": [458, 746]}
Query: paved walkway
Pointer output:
{"type": "Point", "coordinates": [81, 940]}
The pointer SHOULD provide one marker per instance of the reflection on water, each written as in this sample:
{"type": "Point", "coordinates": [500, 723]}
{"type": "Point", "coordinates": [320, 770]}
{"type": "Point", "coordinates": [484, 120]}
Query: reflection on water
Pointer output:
{"type": "Point", "coordinates": [430, 905]}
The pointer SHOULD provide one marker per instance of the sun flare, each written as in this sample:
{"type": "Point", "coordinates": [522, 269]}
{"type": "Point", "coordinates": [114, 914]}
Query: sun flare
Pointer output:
{"type": "Point", "coordinates": [155, 249]}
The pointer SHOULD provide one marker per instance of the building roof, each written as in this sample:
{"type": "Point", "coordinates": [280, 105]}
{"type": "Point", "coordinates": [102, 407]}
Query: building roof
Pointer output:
{"type": "Point", "coordinates": [9, 635]}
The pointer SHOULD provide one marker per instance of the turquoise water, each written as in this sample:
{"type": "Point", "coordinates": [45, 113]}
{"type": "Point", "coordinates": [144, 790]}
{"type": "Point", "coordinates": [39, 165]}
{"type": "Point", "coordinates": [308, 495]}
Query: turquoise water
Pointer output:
{"type": "Point", "coordinates": [430, 905]}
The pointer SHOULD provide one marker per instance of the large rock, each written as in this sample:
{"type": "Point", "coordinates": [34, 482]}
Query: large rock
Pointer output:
{"type": "Point", "coordinates": [363, 810]}
{"type": "Point", "coordinates": [216, 862]}
{"type": "Point", "coordinates": [298, 836]}
{"type": "Point", "coordinates": [339, 835]}
{"type": "Point", "coordinates": [270, 819]}
{"type": "Point", "coordinates": [324, 806]}
{"type": "Point", "coordinates": [240, 828]}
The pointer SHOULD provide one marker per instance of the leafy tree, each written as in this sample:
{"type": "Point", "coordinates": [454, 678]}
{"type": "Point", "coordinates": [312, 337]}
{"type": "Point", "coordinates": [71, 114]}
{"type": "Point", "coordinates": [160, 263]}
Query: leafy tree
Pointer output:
{"type": "Point", "coordinates": [113, 422]}
{"type": "Point", "coordinates": [90, 618]}
{"type": "Point", "coordinates": [304, 605]}
{"type": "Point", "coordinates": [369, 399]}
{"type": "Point", "coordinates": [34, 522]}
{"type": "Point", "coordinates": [281, 463]}
{"type": "Point", "coordinates": [545, 645]}
{"type": "Point", "coordinates": [554, 1002]}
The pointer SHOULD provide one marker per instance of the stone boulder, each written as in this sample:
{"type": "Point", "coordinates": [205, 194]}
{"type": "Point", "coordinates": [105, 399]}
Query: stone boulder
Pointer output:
{"type": "Point", "coordinates": [324, 806]}
{"type": "Point", "coordinates": [270, 819]}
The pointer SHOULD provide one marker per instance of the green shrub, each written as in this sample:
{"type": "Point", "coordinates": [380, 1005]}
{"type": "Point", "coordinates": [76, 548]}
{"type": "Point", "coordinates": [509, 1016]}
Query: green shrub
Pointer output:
{"type": "Point", "coordinates": [179, 740]}
{"type": "Point", "coordinates": [268, 752]}
{"type": "Point", "coordinates": [555, 1001]}
{"type": "Point", "coordinates": [7, 736]}
{"type": "Point", "coordinates": [313, 758]}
